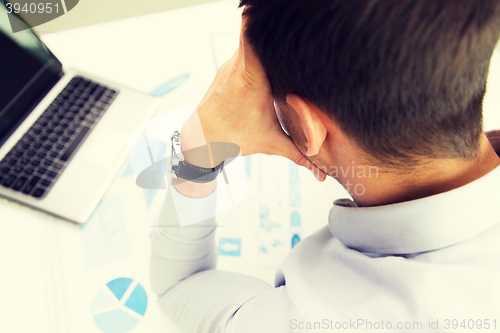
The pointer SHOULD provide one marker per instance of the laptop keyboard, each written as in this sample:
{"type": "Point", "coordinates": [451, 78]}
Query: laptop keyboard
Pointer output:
{"type": "Point", "coordinates": [34, 164]}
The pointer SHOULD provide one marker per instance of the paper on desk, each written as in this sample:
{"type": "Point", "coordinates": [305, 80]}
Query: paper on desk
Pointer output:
{"type": "Point", "coordinates": [104, 236]}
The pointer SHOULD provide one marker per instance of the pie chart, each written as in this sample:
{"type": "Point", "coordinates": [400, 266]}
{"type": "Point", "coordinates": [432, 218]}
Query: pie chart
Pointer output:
{"type": "Point", "coordinates": [119, 306]}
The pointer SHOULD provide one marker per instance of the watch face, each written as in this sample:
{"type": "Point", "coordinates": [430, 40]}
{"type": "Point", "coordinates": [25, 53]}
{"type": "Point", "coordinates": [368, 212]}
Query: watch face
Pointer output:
{"type": "Point", "coordinates": [176, 144]}
{"type": "Point", "coordinates": [176, 155]}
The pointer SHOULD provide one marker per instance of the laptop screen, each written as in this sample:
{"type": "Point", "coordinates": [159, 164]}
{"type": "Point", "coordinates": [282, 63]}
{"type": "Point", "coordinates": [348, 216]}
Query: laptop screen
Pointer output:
{"type": "Point", "coordinates": [27, 71]}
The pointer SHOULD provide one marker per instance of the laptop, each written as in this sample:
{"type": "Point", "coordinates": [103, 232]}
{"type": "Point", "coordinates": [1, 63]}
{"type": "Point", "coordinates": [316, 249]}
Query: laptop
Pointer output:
{"type": "Point", "coordinates": [63, 134]}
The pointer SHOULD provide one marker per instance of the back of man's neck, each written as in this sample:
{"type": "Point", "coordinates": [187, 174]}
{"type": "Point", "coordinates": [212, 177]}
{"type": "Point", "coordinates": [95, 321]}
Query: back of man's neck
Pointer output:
{"type": "Point", "coordinates": [435, 177]}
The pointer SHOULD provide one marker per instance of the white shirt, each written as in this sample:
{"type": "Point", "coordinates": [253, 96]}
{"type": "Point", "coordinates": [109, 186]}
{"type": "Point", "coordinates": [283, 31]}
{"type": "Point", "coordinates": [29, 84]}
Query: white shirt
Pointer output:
{"type": "Point", "coordinates": [429, 265]}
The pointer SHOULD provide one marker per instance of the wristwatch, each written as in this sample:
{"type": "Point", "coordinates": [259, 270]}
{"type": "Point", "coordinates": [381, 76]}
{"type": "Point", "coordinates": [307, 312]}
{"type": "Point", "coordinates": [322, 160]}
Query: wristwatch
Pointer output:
{"type": "Point", "coordinates": [181, 169]}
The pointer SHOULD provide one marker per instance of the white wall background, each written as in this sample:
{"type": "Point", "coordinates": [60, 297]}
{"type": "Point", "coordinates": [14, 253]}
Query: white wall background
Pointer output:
{"type": "Point", "coordinates": [88, 12]}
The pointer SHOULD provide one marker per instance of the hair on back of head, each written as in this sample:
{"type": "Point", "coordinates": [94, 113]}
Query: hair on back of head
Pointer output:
{"type": "Point", "coordinates": [405, 79]}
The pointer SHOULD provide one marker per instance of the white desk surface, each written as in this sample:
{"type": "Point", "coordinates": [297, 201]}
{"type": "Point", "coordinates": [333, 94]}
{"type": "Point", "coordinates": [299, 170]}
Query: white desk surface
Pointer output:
{"type": "Point", "coordinates": [53, 269]}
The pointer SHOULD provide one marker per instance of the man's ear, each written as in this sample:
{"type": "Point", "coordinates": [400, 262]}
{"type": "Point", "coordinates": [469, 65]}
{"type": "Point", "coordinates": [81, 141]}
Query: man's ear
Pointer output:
{"type": "Point", "coordinates": [310, 122]}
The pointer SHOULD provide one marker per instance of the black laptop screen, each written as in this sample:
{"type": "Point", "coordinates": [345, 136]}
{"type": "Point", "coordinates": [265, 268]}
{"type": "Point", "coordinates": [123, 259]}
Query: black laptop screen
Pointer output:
{"type": "Point", "coordinates": [27, 71]}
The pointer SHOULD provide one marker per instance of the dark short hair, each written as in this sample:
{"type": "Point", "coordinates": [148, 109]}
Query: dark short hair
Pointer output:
{"type": "Point", "coordinates": [405, 79]}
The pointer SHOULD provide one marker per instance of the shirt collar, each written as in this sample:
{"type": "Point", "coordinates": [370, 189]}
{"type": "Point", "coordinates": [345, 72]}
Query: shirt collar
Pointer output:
{"type": "Point", "coordinates": [420, 225]}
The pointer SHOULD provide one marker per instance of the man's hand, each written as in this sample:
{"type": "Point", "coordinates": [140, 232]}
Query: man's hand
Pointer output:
{"type": "Point", "coordinates": [239, 108]}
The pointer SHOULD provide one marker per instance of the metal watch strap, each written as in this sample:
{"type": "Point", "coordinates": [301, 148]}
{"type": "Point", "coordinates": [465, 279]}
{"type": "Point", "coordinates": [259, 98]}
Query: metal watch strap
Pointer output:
{"type": "Point", "coordinates": [198, 174]}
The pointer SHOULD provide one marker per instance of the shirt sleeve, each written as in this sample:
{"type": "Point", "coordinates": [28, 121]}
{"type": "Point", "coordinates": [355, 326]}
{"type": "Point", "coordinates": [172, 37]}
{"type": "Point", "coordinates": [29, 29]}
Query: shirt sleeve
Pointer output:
{"type": "Point", "coordinates": [192, 294]}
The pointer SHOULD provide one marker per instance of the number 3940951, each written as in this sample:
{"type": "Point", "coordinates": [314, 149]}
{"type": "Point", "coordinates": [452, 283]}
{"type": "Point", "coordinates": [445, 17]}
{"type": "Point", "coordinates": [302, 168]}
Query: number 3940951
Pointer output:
{"type": "Point", "coordinates": [32, 8]}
